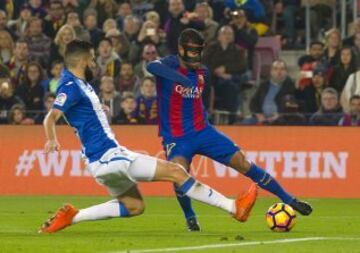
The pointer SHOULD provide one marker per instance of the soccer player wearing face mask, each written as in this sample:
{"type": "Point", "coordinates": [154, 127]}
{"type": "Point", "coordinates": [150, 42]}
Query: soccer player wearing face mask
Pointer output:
{"type": "Point", "coordinates": [185, 129]}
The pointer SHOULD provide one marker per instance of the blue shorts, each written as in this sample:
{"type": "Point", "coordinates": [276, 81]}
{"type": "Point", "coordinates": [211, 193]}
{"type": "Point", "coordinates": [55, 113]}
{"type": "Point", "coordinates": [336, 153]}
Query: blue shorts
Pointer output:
{"type": "Point", "coordinates": [208, 142]}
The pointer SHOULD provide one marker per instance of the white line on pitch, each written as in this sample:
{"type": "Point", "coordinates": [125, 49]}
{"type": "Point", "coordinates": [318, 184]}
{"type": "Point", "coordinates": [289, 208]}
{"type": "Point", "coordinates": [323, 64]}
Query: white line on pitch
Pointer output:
{"type": "Point", "coordinates": [228, 245]}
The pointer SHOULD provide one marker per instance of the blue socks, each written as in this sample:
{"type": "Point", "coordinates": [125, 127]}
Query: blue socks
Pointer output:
{"type": "Point", "coordinates": [267, 182]}
{"type": "Point", "coordinates": [185, 201]}
{"type": "Point", "coordinates": [124, 212]}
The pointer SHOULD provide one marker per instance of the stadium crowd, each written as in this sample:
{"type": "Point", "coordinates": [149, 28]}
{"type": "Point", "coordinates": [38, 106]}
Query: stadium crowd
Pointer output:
{"type": "Point", "coordinates": [129, 34]}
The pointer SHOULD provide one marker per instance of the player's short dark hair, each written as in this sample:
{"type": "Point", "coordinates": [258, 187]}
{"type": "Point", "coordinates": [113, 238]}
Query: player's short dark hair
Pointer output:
{"type": "Point", "coordinates": [317, 43]}
{"type": "Point", "coordinates": [76, 49]}
{"type": "Point", "coordinates": [191, 35]}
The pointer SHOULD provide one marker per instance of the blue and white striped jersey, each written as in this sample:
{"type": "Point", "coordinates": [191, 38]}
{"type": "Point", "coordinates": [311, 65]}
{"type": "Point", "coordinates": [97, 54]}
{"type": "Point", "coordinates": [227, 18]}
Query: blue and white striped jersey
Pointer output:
{"type": "Point", "coordinates": [83, 111]}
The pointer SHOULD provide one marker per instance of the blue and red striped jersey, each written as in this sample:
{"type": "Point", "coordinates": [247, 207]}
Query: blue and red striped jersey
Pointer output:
{"type": "Point", "coordinates": [181, 111]}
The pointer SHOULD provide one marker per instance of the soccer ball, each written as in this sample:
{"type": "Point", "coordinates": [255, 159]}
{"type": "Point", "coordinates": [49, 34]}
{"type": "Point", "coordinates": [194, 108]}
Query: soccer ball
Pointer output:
{"type": "Point", "coordinates": [280, 217]}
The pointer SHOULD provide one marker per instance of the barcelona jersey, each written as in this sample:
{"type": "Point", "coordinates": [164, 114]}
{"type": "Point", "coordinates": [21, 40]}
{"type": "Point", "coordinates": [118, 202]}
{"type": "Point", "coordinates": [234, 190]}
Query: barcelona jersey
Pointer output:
{"type": "Point", "coordinates": [181, 110]}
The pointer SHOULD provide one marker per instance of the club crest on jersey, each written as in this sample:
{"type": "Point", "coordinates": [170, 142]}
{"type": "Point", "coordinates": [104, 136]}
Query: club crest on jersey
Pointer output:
{"type": "Point", "coordinates": [60, 99]}
{"type": "Point", "coordinates": [189, 92]}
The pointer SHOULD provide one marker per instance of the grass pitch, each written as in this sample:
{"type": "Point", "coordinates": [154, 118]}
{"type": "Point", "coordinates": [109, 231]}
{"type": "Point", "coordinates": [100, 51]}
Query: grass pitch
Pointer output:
{"type": "Point", "coordinates": [333, 227]}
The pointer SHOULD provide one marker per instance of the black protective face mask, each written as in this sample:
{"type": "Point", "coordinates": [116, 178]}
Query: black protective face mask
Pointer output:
{"type": "Point", "coordinates": [192, 48]}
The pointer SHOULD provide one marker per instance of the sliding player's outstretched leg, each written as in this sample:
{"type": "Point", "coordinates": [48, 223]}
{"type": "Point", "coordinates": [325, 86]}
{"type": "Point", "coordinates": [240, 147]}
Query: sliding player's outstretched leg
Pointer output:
{"type": "Point", "coordinates": [187, 185]}
{"type": "Point", "coordinates": [119, 176]}
{"type": "Point", "coordinates": [267, 182]}
{"type": "Point", "coordinates": [127, 205]}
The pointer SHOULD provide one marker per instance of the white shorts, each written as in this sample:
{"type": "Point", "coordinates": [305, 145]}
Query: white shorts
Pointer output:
{"type": "Point", "coordinates": [120, 169]}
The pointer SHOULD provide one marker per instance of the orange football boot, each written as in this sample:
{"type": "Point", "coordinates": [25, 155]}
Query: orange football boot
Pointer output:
{"type": "Point", "coordinates": [62, 218]}
{"type": "Point", "coordinates": [245, 203]}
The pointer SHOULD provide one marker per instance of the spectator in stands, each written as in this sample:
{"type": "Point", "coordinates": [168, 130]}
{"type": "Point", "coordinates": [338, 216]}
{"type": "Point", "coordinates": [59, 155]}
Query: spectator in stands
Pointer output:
{"type": "Point", "coordinates": [177, 21]}
{"type": "Point", "coordinates": [65, 35]}
{"type": "Point", "coordinates": [124, 9]}
{"type": "Point", "coordinates": [6, 47]}
{"type": "Point", "coordinates": [150, 34]}
{"type": "Point", "coordinates": [51, 84]}
{"type": "Point", "coordinates": [350, 41]}
{"type": "Point", "coordinates": [316, 54]}
{"type": "Point", "coordinates": [48, 103]}
{"type": "Point", "coordinates": [18, 62]}
{"type": "Point", "coordinates": [31, 91]}
{"type": "Point", "coordinates": [74, 21]}
{"type": "Point", "coordinates": [146, 102]}
{"type": "Point", "coordinates": [205, 14]}
{"type": "Point", "coordinates": [90, 22]}
{"type": "Point", "coordinates": [55, 19]}
{"type": "Point", "coordinates": [108, 25]}
{"type": "Point", "coordinates": [353, 117]}
{"type": "Point", "coordinates": [352, 87]}
{"type": "Point", "coordinates": [333, 45]}
{"type": "Point", "coordinates": [320, 15]}
{"type": "Point", "coordinates": [311, 64]}
{"type": "Point", "coordinates": [310, 96]}
{"type": "Point", "coordinates": [109, 96]}
{"type": "Point", "coordinates": [127, 113]}
{"type": "Point", "coordinates": [120, 43]}
{"type": "Point", "coordinates": [17, 116]}
{"type": "Point", "coordinates": [39, 44]}
{"type": "Point", "coordinates": [149, 54]}
{"type": "Point", "coordinates": [245, 36]}
{"type": "Point", "coordinates": [18, 26]}
{"type": "Point", "coordinates": [132, 26]}
{"type": "Point", "coordinates": [342, 71]}
{"type": "Point", "coordinates": [131, 31]}
{"type": "Point", "coordinates": [291, 115]}
{"type": "Point", "coordinates": [108, 60]}
{"type": "Point", "coordinates": [105, 9]}
{"type": "Point", "coordinates": [7, 99]}
{"type": "Point", "coordinates": [266, 103]}
{"type": "Point", "coordinates": [37, 8]}
{"type": "Point", "coordinates": [154, 17]}
{"type": "Point", "coordinates": [127, 80]}
{"type": "Point", "coordinates": [226, 62]}
{"type": "Point", "coordinates": [356, 48]}
{"type": "Point", "coordinates": [289, 9]}
{"type": "Point", "coordinates": [330, 111]}
{"type": "Point", "coordinates": [3, 24]}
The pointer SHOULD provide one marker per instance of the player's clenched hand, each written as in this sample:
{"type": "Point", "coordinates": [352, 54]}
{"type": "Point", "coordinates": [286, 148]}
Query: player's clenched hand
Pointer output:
{"type": "Point", "coordinates": [51, 146]}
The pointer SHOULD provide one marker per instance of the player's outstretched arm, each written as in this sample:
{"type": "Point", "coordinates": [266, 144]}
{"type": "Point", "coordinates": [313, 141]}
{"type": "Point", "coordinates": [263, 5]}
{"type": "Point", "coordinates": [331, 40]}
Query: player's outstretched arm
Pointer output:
{"type": "Point", "coordinates": [157, 68]}
{"type": "Point", "coordinates": [50, 120]}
